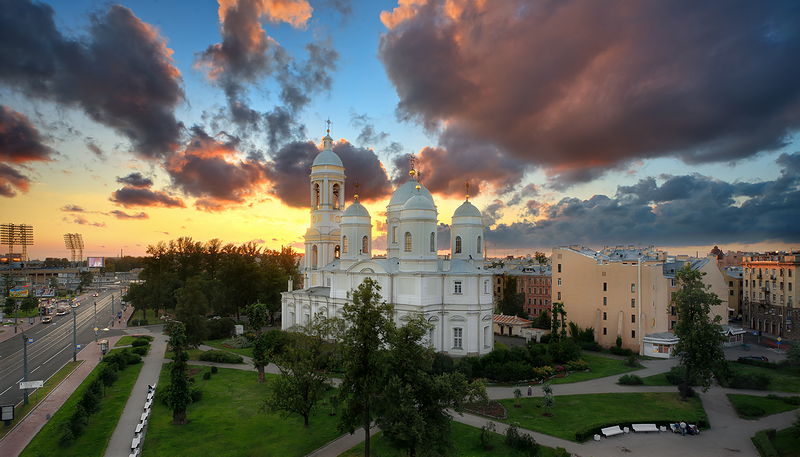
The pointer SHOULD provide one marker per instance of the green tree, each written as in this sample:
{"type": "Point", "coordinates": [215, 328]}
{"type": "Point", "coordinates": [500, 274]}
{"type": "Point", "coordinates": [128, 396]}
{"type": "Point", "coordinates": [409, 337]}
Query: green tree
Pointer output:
{"type": "Point", "coordinates": [257, 317]}
{"type": "Point", "coordinates": [412, 411]}
{"type": "Point", "coordinates": [540, 257]}
{"type": "Point", "coordinates": [543, 321]}
{"type": "Point", "coordinates": [793, 355]}
{"type": "Point", "coordinates": [512, 301]}
{"type": "Point", "coordinates": [86, 279]}
{"type": "Point", "coordinates": [9, 306]}
{"type": "Point", "coordinates": [178, 395]}
{"type": "Point", "coordinates": [558, 324]}
{"type": "Point", "coordinates": [191, 310]}
{"type": "Point", "coordinates": [700, 338]}
{"type": "Point", "coordinates": [548, 401]}
{"type": "Point", "coordinates": [29, 303]}
{"type": "Point", "coordinates": [370, 324]}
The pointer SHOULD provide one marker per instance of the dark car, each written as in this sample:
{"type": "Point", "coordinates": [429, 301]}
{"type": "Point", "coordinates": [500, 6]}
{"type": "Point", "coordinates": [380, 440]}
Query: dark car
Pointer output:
{"type": "Point", "coordinates": [760, 358]}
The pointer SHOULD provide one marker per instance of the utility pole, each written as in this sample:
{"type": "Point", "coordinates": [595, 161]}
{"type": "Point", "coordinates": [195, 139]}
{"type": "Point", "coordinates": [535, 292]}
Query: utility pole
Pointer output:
{"type": "Point", "coordinates": [24, 366]}
{"type": "Point", "coordinates": [95, 322]}
{"type": "Point", "coordinates": [74, 337]}
{"type": "Point", "coordinates": [113, 316]}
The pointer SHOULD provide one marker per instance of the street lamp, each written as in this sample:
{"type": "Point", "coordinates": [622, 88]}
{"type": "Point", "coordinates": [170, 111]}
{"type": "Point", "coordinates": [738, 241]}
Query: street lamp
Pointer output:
{"type": "Point", "coordinates": [95, 322]}
{"type": "Point", "coordinates": [74, 337]}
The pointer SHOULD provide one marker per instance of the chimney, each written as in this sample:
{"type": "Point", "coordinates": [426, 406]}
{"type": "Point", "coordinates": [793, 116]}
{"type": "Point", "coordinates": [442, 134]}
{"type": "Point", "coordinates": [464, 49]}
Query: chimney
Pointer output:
{"type": "Point", "coordinates": [290, 285]}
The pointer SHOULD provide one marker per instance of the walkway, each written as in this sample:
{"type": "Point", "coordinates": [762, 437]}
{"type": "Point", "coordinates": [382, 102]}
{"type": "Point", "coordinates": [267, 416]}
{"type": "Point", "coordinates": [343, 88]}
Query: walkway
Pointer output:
{"type": "Point", "coordinates": [120, 443]}
{"type": "Point", "coordinates": [22, 434]}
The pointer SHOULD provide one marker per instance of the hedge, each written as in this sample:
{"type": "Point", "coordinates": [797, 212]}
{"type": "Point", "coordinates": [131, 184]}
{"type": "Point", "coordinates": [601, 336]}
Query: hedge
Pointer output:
{"type": "Point", "coordinates": [763, 443]}
{"type": "Point", "coordinates": [220, 357]}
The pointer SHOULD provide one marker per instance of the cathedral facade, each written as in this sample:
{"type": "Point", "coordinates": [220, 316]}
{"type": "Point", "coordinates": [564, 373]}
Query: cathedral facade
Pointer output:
{"type": "Point", "coordinates": [453, 292]}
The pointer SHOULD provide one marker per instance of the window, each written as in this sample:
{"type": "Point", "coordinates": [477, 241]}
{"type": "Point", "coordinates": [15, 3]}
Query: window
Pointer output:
{"type": "Point", "coordinates": [633, 334]}
{"type": "Point", "coordinates": [605, 316]}
{"type": "Point", "coordinates": [559, 296]}
{"type": "Point", "coordinates": [730, 283]}
{"type": "Point", "coordinates": [559, 266]}
{"type": "Point", "coordinates": [731, 292]}
{"type": "Point", "coordinates": [486, 336]}
{"type": "Point", "coordinates": [314, 256]}
{"type": "Point", "coordinates": [605, 301]}
{"type": "Point", "coordinates": [671, 325]}
{"type": "Point", "coordinates": [433, 242]}
{"type": "Point", "coordinates": [365, 245]}
{"type": "Point", "coordinates": [486, 286]}
{"type": "Point", "coordinates": [407, 246]}
{"type": "Point", "coordinates": [633, 318]}
{"type": "Point", "coordinates": [790, 273]}
{"type": "Point", "coordinates": [457, 287]}
{"type": "Point", "coordinates": [345, 244]}
{"type": "Point", "coordinates": [605, 286]}
{"type": "Point", "coordinates": [672, 282]}
{"type": "Point", "coordinates": [559, 281]}
{"type": "Point", "coordinates": [790, 286]}
{"type": "Point", "coordinates": [633, 303]}
{"type": "Point", "coordinates": [673, 311]}
{"type": "Point", "coordinates": [479, 245]}
{"type": "Point", "coordinates": [394, 234]}
{"type": "Point", "coordinates": [458, 333]}
{"type": "Point", "coordinates": [605, 331]}
{"type": "Point", "coordinates": [336, 252]}
{"type": "Point", "coordinates": [633, 288]}
{"type": "Point", "coordinates": [458, 245]}
{"type": "Point", "coordinates": [336, 199]}
{"type": "Point", "coordinates": [315, 202]}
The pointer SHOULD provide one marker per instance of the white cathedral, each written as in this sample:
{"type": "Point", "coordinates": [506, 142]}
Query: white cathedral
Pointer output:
{"type": "Point", "coordinates": [453, 292]}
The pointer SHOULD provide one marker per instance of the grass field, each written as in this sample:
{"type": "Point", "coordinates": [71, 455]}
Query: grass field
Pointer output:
{"type": "Point", "coordinates": [576, 413]}
{"type": "Point", "coordinates": [781, 379]}
{"type": "Point", "coordinates": [39, 394]}
{"type": "Point", "coordinates": [754, 406]}
{"type": "Point", "coordinates": [219, 344]}
{"type": "Point", "coordinates": [194, 354]}
{"type": "Point", "coordinates": [466, 442]}
{"type": "Point", "coordinates": [101, 425]}
{"type": "Point", "coordinates": [599, 367]}
{"type": "Point", "coordinates": [656, 380]}
{"type": "Point", "coordinates": [127, 340]}
{"type": "Point", "coordinates": [230, 421]}
{"type": "Point", "coordinates": [787, 443]}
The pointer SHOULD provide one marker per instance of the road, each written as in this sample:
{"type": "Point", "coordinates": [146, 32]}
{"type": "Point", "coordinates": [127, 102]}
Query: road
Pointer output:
{"type": "Point", "coordinates": [52, 343]}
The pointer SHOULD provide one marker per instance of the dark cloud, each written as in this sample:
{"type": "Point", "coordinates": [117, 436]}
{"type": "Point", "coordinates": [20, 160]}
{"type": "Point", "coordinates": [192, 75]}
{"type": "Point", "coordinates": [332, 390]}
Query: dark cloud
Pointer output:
{"type": "Point", "coordinates": [443, 237]}
{"type": "Point", "coordinates": [120, 73]}
{"type": "Point", "coordinates": [125, 216]}
{"type": "Point", "coordinates": [530, 190]}
{"type": "Point", "coordinates": [586, 87]}
{"type": "Point", "coordinates": [94, 148]}
{"type": "Point", "coordinates": [12, 181]}
{"type": "Point", "coordinates": [137, 196]}
{"type": "Point", "coordinates": [80, 220]}
{"type": "Point", "coordinates": [344, 7]}
{"type": "Point", "coordinates": [292, 164]}
{"type": "Point", "coordinates": [492, 213]}
{"type": "Point", "coordinates": [680, 210]}
{"type": "Point", "coordinates": [20, 141]}
{"type": "Point", "coordinates": [369, 135]}
{"type": "Point", "coordinates": [72, 209]}
{"type": "Point", "coordinates": [135, 179]}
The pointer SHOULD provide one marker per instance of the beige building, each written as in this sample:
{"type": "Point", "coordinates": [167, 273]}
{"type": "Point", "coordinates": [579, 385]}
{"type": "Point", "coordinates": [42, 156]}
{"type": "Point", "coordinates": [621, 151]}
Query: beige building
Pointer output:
{"type": "Point", "coordinates": [734, 277]}
{"type": "Point", "coordinates": [627, 292]}
{"type": "Point", "coordinates": [770, 293]}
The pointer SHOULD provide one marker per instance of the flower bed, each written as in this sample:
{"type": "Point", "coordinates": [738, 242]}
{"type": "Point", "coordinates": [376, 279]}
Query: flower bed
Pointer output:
{"type": "Point", "coordinates": [489, 408]}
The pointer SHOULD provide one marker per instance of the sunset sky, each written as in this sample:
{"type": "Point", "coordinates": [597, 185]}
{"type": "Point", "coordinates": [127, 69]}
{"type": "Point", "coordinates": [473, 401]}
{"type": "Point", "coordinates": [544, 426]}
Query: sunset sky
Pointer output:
{"type": "Point", "coordinates": [575, 122]}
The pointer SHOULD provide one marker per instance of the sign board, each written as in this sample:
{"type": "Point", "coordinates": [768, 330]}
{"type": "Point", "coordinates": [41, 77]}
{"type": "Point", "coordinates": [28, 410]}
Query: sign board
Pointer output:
{"type": "Point", "coordinates": [31, 384]}
{"type": "Point", "coordinates": [18, 292]}
{"type": "Point", "coordinates": [95, 262]}
{"type": "Point", "coordinates": [30, 340]}
{"type": "Point", "coordinates": [77, 346]}
{"type": "Point", "coordinates": [239, 329]}
{"type": "Point", "coordinates": [780, 339]}
{"type": "Point", "coordinates": [6, 412]}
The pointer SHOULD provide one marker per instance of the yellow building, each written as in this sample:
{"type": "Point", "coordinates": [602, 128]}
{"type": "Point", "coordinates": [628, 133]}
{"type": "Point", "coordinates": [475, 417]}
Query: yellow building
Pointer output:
{"type": "Point", "coordinates": [627, 292]}
{"type": "Point", "coordinates": [734, 277]}
{"type": "Point", "coordinates": [770, 293]}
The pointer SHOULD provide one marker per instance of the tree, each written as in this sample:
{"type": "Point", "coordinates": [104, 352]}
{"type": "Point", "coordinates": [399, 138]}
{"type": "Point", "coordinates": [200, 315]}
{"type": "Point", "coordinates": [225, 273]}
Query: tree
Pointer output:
{"type": "Point", "coordinates": [191, 310]}
{"type": "Point", "coordinates": [302, 381]}
{"type": "Point", "coordinates": [543, 321]}
{"type": "Point", "coordinates": [559, 321]}
{"type": "Point", "coordinates": [257, 317]}
{"type": "Point", "coordinates": [512, 301]}
{"type": "Point", "coordinates": [540, 257]}
{"type": "Point", "coordinates": [370, 323]}
{"type": "Point", "coordinates": [86, 279]}
{"type": "Point", "coordinates": [548, 401]}
{"type": "Point", "coordinates": [793, 355]}
{"type": "Point", "coordinates": [412, 412]}
{"type": "Point", "coordinates": [29, 303]}
{"type": "Point", "coordinates": [178, 396]}
{"type": "Point", "coordinates": [700, 337]}
{"type": "Point", "coordinates": [9, 306]}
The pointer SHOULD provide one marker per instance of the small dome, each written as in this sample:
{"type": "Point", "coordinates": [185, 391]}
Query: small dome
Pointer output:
{"type": "Point", "coordinates": [327, 157]}
{"type": "Point", "coordinates": [408, 190]}
{"type": "Point", "coordinates": [356, 209]}
{"type": "Point", "coordinates": [419, 201]}
{"type": "Point", "coordinates": [467, 209]}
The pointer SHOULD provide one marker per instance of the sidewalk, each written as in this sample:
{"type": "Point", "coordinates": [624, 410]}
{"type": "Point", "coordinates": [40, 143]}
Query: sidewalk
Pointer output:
{"type": "Point", "coordinates": [19, 437]}
{"type": "Point", "coordinates": [344, 443]}
{"type": "Point", "coordinates": [120, 443]}
{"type": "Point", "coordinates": [8, 331]}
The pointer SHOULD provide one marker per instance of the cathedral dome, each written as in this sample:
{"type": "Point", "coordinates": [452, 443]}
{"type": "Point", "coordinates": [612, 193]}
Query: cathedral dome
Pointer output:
{"type": "Point", "coordinates": [419, 202]}
{"type": "Point", "coordinates": [408, 190]}
{"type": "Point", "coordinates": [467, 209]}
{"type": "Point", "coordinates": [356, 209]}
{"type": "Point", "coordinates": [327, 157]}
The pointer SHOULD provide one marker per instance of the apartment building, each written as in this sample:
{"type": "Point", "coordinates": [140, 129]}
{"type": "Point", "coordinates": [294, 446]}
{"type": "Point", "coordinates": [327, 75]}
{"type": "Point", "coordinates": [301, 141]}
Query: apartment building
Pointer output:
{"type": "Point", "coordinates": [533, 282]}
{"type": "Point", "coordinates": [627, 292]}
{"type": "Point", "coordinates": [734, 277]}
{"type": "Point", "coordinates": [770, 293]}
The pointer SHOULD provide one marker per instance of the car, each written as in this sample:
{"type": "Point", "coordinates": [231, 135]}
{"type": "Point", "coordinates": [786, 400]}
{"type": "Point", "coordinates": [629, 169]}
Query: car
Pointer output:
{"type": "Point", "coordinates": [759, 358]}
{"type": "Point", "coordinates": [61, 312]}
{"type": "Point", "coordinates": [75, 304]}
{"type": "Point", "coordinates": [95, 294]}
{"type": "Point", "coordinates": [46, 319]}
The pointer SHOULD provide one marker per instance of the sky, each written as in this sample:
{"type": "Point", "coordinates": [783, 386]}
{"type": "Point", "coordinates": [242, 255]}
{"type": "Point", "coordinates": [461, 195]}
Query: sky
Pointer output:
{"type": "Point", "coordinates": [675, 124]}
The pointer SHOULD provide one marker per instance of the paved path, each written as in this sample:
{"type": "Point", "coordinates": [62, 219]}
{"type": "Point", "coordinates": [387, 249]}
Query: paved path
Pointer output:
{"type": "Point", "coordinates": [120, 443]}
{"type": "Point", "coordinates": [19, 437]}
{"type": "Point", "coordinates": [343, 443]}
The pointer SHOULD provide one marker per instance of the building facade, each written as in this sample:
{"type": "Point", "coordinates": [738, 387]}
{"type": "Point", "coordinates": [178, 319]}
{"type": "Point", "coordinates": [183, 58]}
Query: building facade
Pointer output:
{"type": "Point", "coordinates": [533, 282]}
{"type": "Point", "coordinates": [453, 293]}
{"type": "Point", "coordinates": [626, 292]}
{"type": "Point", "coordinates": [770, 293]}
{"type": "Point", "coordinates": [734, 276]}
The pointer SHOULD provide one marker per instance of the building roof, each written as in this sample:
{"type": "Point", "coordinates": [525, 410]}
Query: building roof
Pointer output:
{"type": "Point", "coordinates": [661, 338]}
{"type": "Point", "coordinates": [419, 201]}
{"type": "Point", "coordinates": [467, 209]}
{"type": "Point", "coordinates": [407, 190]}
{"type": "Point", "coordinates": [734, 272]}
{"type": "Point", "coordinates": [728, 330]}
{"type": "Point", "coordinates": [509, 320]}
{"type": "Point", "coordinates": [356, 209]}
{"type": "Point", "coordinates": [672, 267]}
{"type": "Point", "coordinates": [327, 156]}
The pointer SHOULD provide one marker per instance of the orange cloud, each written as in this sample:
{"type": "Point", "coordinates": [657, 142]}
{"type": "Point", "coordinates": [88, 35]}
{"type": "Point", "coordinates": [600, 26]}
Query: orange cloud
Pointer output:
{"type": "Point", "coordinates": [294, 12]}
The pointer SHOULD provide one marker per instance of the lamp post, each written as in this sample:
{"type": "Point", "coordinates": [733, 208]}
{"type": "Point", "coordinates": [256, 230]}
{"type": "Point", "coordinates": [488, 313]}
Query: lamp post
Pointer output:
{"type": "Point", "coordinates": [24, 366]}
{"type": "Point", "coordinates": [74, 337]}
{"type": "Point", "coordinates": [95, 322]}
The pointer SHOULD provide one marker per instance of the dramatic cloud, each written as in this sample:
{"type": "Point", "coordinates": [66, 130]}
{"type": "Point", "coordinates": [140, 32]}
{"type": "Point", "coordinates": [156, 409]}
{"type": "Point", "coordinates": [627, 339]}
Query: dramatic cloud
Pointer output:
{"type": "Point", "coordinates": [80, 220]}
{"type": "Point", "coordinates": [292, 164]}
{"type": "Point", "coordinates": [94, 148]}
{"type": "Point", "coordinates": [368, 136]}
{"type": "Point", "coordinates": [19, 140]}
{"type": "Point", "coordinates": [12, 181]}
{"type": "Point", "coordinates": [72, 209]}
{"type": "Point", "coordinates": [125, 216]}
{"type": "Point", "coordinates": [135, 179]}
{"type": "Point", "coordinates": [136, 196]}
{"type": "Point", "coordinates": [678, 210]}
{"type": "Point", "coordinates": [493, 212]}
{"type": "Point", "coordinates": [120, 73]}
{"type": "Point", "coordinates": [582, 87]}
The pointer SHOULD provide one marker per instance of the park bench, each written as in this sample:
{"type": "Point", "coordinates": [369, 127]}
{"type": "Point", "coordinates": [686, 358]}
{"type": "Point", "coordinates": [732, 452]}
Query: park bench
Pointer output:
{"type": "Point", "coordinates": [644, 428]}
{"type": "Point", "coordinates": [611, 431]}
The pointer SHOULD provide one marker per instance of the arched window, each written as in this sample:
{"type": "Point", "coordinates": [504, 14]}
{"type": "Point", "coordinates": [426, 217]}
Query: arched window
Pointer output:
{"type": "Point", "coordinates": [365, 245]}
{"type": "Point", "coordinates": [335, 193]}
{"type": "Point", "coordinates": [479, 245]}
{"type": "Point", "coordinates": [314, 256]}
{"type": "Point", "coordinates": [345, 244]}
{"type": "Point", "coordinates": [433, 241]}
{"type": "Point", "coordinates": [336, 252]}
{"type": "Point", "coordinates": [407, 246]}
{"type": "Point", "coordinates": [394, 234]}
{"type": "Point", "coordinates": [458, 245]}
{"type": "Point", "coordinates": [315, 198]}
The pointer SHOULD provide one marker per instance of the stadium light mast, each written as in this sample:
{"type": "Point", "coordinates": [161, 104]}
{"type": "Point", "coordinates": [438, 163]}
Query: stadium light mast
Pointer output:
{"type": "Point", "coordinates": [17, 235]}
{"type": "Point", "coordinates": [74, 242]}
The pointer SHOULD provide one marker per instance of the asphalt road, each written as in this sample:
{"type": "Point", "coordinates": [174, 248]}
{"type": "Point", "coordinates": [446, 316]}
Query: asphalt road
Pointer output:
{"type": "Point", "coordinates": [52, 343]}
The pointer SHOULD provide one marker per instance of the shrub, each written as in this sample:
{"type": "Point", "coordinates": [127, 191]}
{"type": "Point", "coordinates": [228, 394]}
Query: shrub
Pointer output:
{"type": "Point", "coordinates": [108, 373]}
{"type": "Point", "coordinates": [214, 370]}
{"type": "Point", "coordinates": [633, 361]}
{"type": "Point", "coordinates": [220, 357]}
{"type": "Point", "coordinates": [140, 351]}
{"type": "Point", "coordinates": [757, 363]}
{"type": "Point", "coordinates": [521, 441]}
{"type": "Point", "coordinates": [748, 410]}
{"type": "Point", "coordinates": [276, 341]}
{"type": "Point", "coordinates": [67, 437]}
{"type": "Point", "coordinates": [630, 380]}
{"type": "Point", "coordinates": [442, 363]}
{"type": "Point", "coordinates": [486, 434]}
{"type": "Point", "coordinates": [140, 342]}
{"type": "Point", "coordinates": [616, 350]}
{"type": "Point", "coordinates": [618, 342]}
{"type": "Point", "coordinates": [590, 346]}
{"type": "Point", "coordinates": [131, 358]}
{"type": "Point", "coordinates": [563, 350]}
{"type": "Point", "coordinates": [117, 359]}
{"type": "Point", "coordinates": [755, 381]}
{"type": "Point", "coordinates": [578, 365]}
{"type": "Point", "coordinates": [675, 375]}
{"type": "Point", "coordinates": [543, 372]}
{"type": "Point", "coordinates": [195, 393]}
{"type": "Point", "coordinates": [218, 329]}
{"type": "Point", "coordinates": [207, 375]}
{"type": "Point", "coordinates": [91, 398]}
{"type": "Point", "coordinates": [764, 444]}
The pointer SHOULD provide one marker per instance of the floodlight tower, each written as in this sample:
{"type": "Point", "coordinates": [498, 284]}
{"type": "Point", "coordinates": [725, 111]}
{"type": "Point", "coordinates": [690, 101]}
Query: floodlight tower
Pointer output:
{"type": "Point", "coordinates": [17, 235]}
{"type": "Point", "coordinates": [74, 242]}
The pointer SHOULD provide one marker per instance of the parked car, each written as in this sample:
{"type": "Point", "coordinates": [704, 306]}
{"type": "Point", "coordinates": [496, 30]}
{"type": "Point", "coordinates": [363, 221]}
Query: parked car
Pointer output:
{"type": "Point", "coordinates": [754, 357]}
{"type": "Point", "coordinates": [46, 319]}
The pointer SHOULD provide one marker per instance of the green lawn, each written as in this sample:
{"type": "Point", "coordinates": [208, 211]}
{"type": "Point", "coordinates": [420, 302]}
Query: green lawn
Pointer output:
{"type": "Point", "coordinates": [39, 394]}
{"type": "Point", "coordinates": [127, 340]}
{"type": "Point", "coordinates": [578, 413]}
{"type": "Point", "coordinates": [220, 344]}
{"type": "Point", "coordinates": [781, 379]}
{"type": "Point", "coordinates": [466, 442]}
{"type": "Point", "coordinates": [230, 421]}
{"type": "Point", "coordinates": [194, 354]}
{"type": "Point", "coordinates": [787, 443]}
{"type": "Point", "coordinates": [599, 367]}
{"type": "Point", "coordinates": [101, 425]}
{"type": "Point", "coordinates": [754, 406]}
{"type": "Point", "coordinates": [656, 380]}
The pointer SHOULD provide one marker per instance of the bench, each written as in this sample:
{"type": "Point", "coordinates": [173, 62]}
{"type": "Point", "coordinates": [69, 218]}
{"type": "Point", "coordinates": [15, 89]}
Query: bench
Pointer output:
{"type": "Point", "coordinates": [135, 442]}
{"type": "Point", "coordinates": [644, 428]}
{"type": "Point", "coordinates": [611, 431]}
{"type": "Point", "coordinates": [139, 428]}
